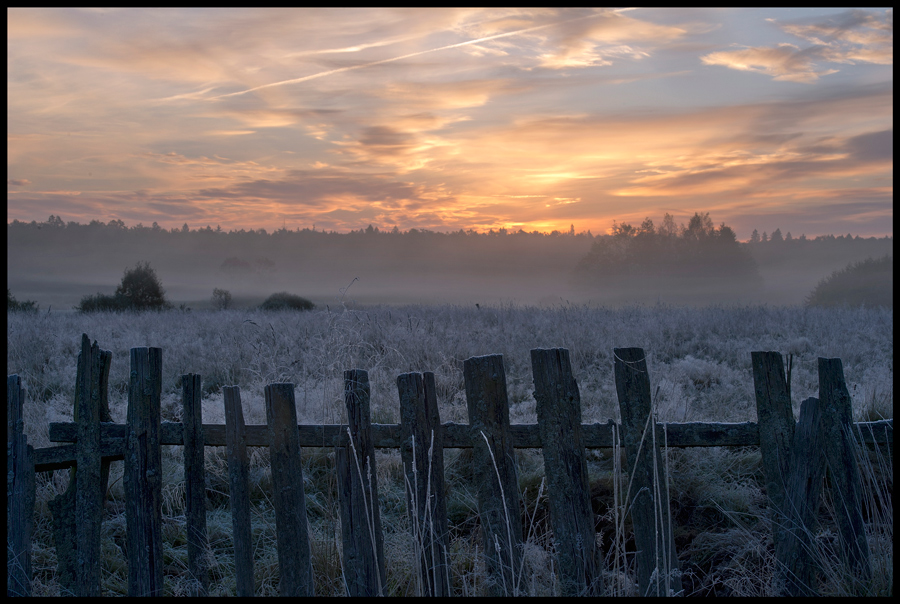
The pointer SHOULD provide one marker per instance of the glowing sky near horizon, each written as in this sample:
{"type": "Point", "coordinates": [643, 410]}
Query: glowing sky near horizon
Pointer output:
{"type": "Point", "coordinates": [452, 118]}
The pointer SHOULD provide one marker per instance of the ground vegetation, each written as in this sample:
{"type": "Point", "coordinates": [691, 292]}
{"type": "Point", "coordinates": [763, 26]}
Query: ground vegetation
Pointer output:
{"type": "Point", "coordinates": [699, 364]}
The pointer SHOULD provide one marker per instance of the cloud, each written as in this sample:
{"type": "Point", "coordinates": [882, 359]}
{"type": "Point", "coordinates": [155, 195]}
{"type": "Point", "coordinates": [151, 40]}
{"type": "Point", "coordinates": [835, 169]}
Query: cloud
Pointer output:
{"type": "Point", "coordinates": [17, 182]}
{"type": "Point", "coordinates": [853, 35]}
{"type": "Point", "coordinates": [784, 62]}
{"type": "Point", "coordinates": [873, 146]}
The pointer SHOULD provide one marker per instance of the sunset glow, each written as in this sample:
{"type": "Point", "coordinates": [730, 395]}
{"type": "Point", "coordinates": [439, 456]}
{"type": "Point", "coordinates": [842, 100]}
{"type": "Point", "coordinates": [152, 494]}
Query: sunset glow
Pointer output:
{"type": "Point", "coordinates": [448, 119]}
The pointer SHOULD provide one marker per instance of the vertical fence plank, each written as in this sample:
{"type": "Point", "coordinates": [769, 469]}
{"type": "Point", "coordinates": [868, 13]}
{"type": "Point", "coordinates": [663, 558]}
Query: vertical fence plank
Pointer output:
{"type": "Point", "coordinates": [795, 570]}
{"type": "Point", "coordinates": [195, 486]}
{"type": "Point", "coordinates": [776, 429]}
{"type": "Point", "coordinates": [494, 471]}
{"type": "Point", "coordinates": [19, 493]}
{"type": "Point", "coordinates": [143, 475]}
{"type": "Point", "coordinates": [239, 494]}
{"type": "Point", "coordinates": [364, 571]}
{"type": "Point", "coordinates": [78, 512]}
{"type": "Point", "coordinates": [559, 422]}
{"type": "Point", "coordinates": [294, 559]}
{"type": "Point", "coordinates": [657, 563]}
{"type": "Point", "coordinates": [837, 415]}
{"type": "Point", "coordinates": [88, 488]}
{"type": "Point", "coordinates": [422, 453]}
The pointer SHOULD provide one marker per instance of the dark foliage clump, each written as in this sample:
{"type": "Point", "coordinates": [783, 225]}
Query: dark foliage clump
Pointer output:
{"type": "Point", "coordinates": [15, 306]}
{"type": "Point", "coordinates": [866, 283]}
{"type": "Point", "coordinates": [102, 303]}
{"type": "Point", "coordinates": [140, 289]}
{"type": "Point", "coordinates": [286, 301]}
{"type": "Point", "coordinates": [669, 257]}
{"type": "Point", "coordinates": [221, 299]}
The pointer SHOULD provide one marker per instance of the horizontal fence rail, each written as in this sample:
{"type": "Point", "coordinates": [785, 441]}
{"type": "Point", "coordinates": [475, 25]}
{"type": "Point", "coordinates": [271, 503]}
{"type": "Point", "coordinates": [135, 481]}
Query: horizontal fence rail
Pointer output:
{"type": "Point", "coordinates": [456, 436]}
{"type": "Point", "coordinates": [795, 457]}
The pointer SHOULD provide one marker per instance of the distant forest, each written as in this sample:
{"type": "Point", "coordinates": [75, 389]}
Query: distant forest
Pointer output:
{"type": "Point", "coordinates": [426, 266]}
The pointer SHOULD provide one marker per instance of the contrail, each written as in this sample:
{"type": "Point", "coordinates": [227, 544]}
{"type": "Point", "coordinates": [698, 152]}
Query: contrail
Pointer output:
{"type": "Point", "coordinates": [391, 60]}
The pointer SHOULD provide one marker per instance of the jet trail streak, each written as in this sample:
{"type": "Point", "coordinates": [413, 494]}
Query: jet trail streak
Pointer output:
{"type": "Point", "coordinates": [391, 60]}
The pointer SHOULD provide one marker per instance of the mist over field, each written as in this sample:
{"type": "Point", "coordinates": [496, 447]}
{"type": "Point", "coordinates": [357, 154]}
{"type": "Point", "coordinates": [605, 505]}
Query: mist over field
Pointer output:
{"type": "Point", "coordinates": [56, 265]}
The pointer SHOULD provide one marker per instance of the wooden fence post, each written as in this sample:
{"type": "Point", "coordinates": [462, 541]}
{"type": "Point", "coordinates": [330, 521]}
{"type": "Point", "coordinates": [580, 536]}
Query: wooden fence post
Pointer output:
{"type": "Point", "coordinates": [294, 559]}
{"type": "Point", "coordinates": [776, 434]}
{"type": "Point", "coordinates": [143, 475]}
{"type": "Point", "coordinates": [89, 488]}
{"type": "Point", "coordinates": [559, 421]}
{"type": "Point", "coordinates": [837, 415]}
{"type": "Point", "coordinates": [195, 486]}
{"type": "Point", "coordinates": [795, 570]}
{"type": "Point", "coordinates": [776, 427]}
{"type": "Point", "coordinates": [19, 493]}
{"type": "Point", "coordinates": [78, 512]}
{"type": "Point", "coordinates": [364, 571]}
{"type": "Point", "coordinates": [657, 562]}
{"type": "Point", "coordinates": [422, 452]}
{"type": "Point", "coordinates": [494, 472]}
{"type": "Point", "coordinates": [239, 493]}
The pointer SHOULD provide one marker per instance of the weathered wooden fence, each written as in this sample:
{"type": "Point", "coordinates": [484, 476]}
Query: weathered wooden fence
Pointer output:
{"type": "Point", "coordinates": [794, 456]}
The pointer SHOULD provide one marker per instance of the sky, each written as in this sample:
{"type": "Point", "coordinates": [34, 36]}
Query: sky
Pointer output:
{"type": "Point", "coordinates": [448, 119]}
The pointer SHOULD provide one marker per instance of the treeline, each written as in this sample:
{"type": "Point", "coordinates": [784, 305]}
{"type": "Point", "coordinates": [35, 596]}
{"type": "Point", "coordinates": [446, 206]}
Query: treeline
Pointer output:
{"type": "Point", "coordinates": [57, 225]}
{"type": "Point", "coordinates": [261, 252]}
{"type": "Point", "coordinates": [669, 257]}
{"type": "Point", "coordinates": [698, 257]}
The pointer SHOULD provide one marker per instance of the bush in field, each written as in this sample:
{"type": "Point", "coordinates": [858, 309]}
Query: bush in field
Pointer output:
{"type": "Point", "coordinates": [140, 289]}
{"type": "Point", "coordinates": [866, 283]}
{"type": "Point", "coordinates": [221, 298]}
{"type": "Point", "coordinates": [286, 301]}
{"type": "Point", "coordinates": [13, 305]}
{"type": "Point", "coordinates": [102, 303]}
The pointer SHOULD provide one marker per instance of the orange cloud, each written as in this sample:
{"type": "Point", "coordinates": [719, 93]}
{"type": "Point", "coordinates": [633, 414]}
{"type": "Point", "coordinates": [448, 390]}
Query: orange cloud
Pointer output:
{"type": "Point", "coordinates": [785, 62]}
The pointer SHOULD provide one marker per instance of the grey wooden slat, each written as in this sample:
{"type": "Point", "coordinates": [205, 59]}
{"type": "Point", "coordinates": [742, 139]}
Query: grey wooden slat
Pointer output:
{"type": "Point", "coordinates": [565, 468]}
{"type": "Point", "coordinates": [422, 453]}
{"type": "Point", "coordinates": [363, 540]}
{"type": "Point", "coordinates": [239, 494]}
{"type": "Point", "coordinates": [195, 486]}
{"type": "Point", "coordinates": [837, 417]}
{"type": "Point", "coordinates": [794, 571]}
{"type": "Point", "coordinates": [289, 498]}
{"type": "Point", "coordinates": [494, 473]}
{"type": "Point", "coordinates": [20, 493]}
{"type": "Point", "coordinates": [143, 475]}
{"type": "Point", "coordinates": [657, 562]}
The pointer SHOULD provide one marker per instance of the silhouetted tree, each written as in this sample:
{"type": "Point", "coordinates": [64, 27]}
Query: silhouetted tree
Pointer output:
{"type": "Point", "coordinates": [142, 289]}
{"type": "Point", "coordinates": [701, 255]}
{"type": "Point", "coordinates": [221, 298]}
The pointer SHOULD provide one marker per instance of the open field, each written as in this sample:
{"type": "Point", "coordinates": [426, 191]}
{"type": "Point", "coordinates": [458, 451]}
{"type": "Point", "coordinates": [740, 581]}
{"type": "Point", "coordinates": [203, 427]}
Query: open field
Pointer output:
{"type": "Point", "coordinates": [699, 364]}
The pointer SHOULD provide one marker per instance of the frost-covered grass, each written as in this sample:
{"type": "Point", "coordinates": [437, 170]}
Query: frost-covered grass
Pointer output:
{"type": "Point", "coordinates": [699, 363]}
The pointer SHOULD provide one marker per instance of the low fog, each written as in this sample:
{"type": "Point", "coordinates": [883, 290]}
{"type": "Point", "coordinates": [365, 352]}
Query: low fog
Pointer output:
{"type": "Point", "coordinates": [56, 265]}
